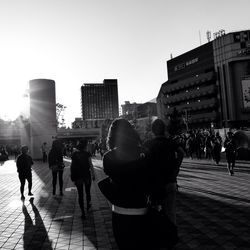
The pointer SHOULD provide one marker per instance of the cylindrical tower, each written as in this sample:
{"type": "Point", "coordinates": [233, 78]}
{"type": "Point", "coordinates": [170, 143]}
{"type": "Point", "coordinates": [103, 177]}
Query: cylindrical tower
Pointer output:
{"type": "Point", "coordinates": [43, 125]}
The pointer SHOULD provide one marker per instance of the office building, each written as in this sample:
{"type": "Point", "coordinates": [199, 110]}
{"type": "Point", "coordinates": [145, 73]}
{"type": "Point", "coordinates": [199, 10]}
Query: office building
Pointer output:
{"type": "Point", "coordinates": [210, 85]}
{"type": "Point", "coordinates": [100, 100]}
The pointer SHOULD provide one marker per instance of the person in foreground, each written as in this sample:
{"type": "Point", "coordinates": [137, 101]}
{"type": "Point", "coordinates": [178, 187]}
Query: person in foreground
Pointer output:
{"type": "Point", "coordinates": [127, 169]}
{"type": "Point", "coordinates": [55, 159]}
{"type": "Point", "coordinates": [24, 163]}
{"type": "Point", "coordinates": [165, 159]}
{"type": "Point", "coordinates": [82, 172]}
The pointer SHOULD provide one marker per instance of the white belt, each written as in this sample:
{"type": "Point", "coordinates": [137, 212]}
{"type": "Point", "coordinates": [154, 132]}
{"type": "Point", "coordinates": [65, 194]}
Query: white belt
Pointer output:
{"type": "Point", "coordinates": [129, 211]}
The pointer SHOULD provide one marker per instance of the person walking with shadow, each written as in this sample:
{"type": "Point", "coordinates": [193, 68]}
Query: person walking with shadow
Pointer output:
{"type": "Point", "coordinates": [24, 163]}
{"type": "Point", "coordinates": [82, 173]}
{"type": "Point", "coordinates": [55, 159]}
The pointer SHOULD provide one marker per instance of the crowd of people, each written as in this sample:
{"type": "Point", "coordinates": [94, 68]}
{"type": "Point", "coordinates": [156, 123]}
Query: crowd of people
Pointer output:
{"type": "Point", "coordinates": [141, 175]}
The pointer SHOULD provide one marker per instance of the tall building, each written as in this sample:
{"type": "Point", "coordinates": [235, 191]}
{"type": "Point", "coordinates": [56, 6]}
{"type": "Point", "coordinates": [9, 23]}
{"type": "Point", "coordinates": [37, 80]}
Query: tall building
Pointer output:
{"type": "Point", "coordinates": [210, 84]}
{"type": "Point", "coordinates": [100, 100]}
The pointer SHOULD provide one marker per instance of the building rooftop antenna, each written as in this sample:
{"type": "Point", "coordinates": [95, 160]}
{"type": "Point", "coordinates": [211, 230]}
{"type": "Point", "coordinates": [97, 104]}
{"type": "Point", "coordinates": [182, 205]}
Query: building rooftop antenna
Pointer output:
{"type": "Point", "coordinates": [208, 36]}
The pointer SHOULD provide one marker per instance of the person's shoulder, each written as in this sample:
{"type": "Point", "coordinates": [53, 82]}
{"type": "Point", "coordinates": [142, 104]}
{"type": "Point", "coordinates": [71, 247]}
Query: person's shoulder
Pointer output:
{"type": "Point", "coordinates": [19, 157]}
{"type": "Point", "coordinates": [109, 154]}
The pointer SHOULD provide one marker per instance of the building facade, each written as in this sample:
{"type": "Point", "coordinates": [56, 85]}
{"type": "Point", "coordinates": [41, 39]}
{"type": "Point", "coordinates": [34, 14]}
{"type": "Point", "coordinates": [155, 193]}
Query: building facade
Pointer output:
{"type": "Point", "coordinates": [43, 123]}
{"type": "Point", "coordinates": [210, 85]}
{"type": "Point", "coordinates": [100, 100]}
{"type": "Point", "coordinates": [129, 110]}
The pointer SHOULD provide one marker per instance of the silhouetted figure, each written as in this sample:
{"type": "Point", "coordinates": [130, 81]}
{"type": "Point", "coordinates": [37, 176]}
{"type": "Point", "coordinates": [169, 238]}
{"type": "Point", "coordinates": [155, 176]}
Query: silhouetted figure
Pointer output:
{"type": "Point", "coordinates": [208, 145]}
{"type": "Point", "coordinates": [24, 163]}
{"type": "Point", "coordinates": [3, 154]}
{"type": "Point", "coordinates": [82, 172]}
{"type": "Point", "coordinates": [31, 229]}
{"type": "Point", "coordinates": [44, 149]}
{"type": "Point", "coordinates": [217, 144]}
{"type": "Point", "coordinates": [126, 167]}
{"type": "Point", "coordinates": [165, 160]}
{"type": "Point", "coordinates": [230, 148]}
{"type": "Point", "coordinates": [55, 159]}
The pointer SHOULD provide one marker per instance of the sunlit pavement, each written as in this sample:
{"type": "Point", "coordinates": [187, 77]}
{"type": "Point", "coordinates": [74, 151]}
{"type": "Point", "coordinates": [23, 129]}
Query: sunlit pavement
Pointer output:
{"type": "Point", "coordinates": [50, 222]}
{"type": "Point", "coordinates": [213, 210]}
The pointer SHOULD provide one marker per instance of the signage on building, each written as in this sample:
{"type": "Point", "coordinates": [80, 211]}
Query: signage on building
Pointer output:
{"type": "Point", "coordinates": [183, 65]}
{"type": "Point", "coordinates": [246, 92]}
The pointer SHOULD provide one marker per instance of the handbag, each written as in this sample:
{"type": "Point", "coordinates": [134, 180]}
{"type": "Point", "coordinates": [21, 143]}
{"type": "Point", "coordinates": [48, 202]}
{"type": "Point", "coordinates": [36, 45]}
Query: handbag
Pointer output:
{"type": "Point", "coordinates": [164, 232]}
{"type": "Point", "coordinates": [109, 190]}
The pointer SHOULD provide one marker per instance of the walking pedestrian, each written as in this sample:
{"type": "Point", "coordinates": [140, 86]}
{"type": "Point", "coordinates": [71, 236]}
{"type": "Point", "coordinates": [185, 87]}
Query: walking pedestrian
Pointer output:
{"type": "Point", "coordinates": [82, 172]}
{"type": "Point", "coordinates": [126, 167]}
{"type": "Point", "coordinates": [230, 149]}
{"type": "Point", "coordinates": [217, 145]}
{"type": "Point", "coordinates": [24, 163]}
{"type": "Point", "coordinates": [44, 152]}
{"type": "Point", "coordinates": [55, 159]}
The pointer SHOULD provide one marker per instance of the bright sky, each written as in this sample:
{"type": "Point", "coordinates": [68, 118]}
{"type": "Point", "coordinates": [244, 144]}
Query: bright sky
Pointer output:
{"type": "Point", "coordinates": [85, 41]}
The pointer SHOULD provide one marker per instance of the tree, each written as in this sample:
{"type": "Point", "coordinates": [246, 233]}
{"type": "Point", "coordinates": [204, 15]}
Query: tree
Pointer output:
{"type": "Point", "coordinates": [59, 114]}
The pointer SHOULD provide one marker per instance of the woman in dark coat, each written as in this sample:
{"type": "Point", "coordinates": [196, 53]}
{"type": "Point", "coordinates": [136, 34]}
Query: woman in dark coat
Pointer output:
{"type": "Point", "coordinates": [230, 148]}
{"type": "Point", "coordinates": [217, 145]}
{"type": "Point", "coordinates": [55, 159]}
{"type": "Point", "coordinates": [82, 172]}
{"type": "Point", "coordinates": [127, 169]}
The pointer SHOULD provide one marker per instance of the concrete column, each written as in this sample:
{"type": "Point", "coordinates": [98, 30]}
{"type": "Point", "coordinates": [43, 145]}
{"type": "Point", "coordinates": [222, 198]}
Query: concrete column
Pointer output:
{"type": "Point", "coordinates": [43, 124]}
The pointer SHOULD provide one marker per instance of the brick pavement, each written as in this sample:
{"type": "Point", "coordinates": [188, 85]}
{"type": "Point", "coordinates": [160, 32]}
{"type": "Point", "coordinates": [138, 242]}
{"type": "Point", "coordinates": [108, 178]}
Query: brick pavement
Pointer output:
{"type": "Point", "coordinates": [213, 210]}
{"type": "Point", "coordinates": [48, 222]}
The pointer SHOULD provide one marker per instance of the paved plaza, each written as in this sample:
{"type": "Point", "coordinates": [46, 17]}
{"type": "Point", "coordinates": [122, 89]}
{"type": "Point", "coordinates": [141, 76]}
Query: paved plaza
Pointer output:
{"type": "Point", "coordinates": [213, 210]}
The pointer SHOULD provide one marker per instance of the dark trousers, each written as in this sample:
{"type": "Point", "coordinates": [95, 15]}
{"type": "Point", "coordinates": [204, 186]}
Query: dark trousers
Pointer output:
{"type": "Point", "coordinates": [54, 180]}
{"type": "Point", "coordinates": [22, 178]}
{"type": "Point", "coordinates": [131, 232]}
{"type": "Point", "coordinates": [45, 157]}
{"type": "Point", "coordinates": [79, 186]}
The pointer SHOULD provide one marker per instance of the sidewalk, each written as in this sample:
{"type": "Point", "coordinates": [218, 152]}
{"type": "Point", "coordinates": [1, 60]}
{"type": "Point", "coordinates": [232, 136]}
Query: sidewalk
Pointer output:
{"type": "Point", "coordinates": [213, 210]}
{"type": "Point", "coordinates": [51, 222]}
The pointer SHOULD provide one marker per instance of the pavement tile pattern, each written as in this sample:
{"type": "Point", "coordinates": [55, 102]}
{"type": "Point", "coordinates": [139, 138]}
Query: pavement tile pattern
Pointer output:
{"type": "Point", "coordinates": [213, 210]}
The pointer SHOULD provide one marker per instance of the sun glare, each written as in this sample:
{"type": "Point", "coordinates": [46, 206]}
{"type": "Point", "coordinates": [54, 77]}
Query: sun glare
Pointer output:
{"type": "Point", "coordinates": [13, 102]}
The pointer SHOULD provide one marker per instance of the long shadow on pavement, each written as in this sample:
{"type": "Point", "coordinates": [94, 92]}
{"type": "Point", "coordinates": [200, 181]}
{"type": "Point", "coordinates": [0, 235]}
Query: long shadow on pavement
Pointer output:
{"type": "Point", "coordinates": [35, 235]}
{"type": "Point", "coordinates": [62, 209]}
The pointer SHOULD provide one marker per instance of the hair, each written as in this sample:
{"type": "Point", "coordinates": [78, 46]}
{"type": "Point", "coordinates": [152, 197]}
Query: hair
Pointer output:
{"type": "Point", "coordinates": [57, 146]}
{"type": "Point", "coordinates": [122, 134]}
{"type": "Point", "coordinates": [158, 127]}
{"type": "Point", "coordinates": [24, 149]}
{"type": "Point", "coordinates": [82, 144]}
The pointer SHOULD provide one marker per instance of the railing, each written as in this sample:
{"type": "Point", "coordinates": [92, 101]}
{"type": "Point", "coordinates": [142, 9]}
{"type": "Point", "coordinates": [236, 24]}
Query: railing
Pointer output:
{"type": "Point", "coordinates": [192, 94]}
{"type": "Point", "coordinates": [192, 81]}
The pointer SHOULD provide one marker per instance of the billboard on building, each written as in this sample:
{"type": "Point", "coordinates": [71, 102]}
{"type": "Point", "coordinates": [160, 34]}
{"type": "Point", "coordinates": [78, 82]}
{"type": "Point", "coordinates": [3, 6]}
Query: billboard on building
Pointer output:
{"type": "Point", "coordinates": [246, 92]}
